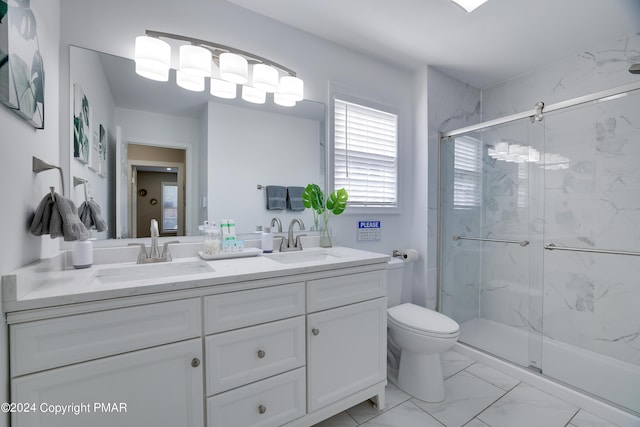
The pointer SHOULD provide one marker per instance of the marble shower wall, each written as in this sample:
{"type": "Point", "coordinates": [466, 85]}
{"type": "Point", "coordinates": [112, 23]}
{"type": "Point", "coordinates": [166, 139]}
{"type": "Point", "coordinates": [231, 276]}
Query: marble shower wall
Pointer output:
{"type": "Point", "coordinates": [591, 299]}
{"type": "Point", "coordinates": [594, 203]}
{"type": "Point", "coordinates": [451, 105]}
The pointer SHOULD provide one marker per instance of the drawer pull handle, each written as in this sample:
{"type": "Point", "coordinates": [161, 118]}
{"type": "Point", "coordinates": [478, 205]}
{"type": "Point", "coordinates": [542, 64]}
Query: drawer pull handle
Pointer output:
{"type": "Point", "coordinates": [195, 362]}
{"type": "Point", "coordinates": [315, 331]}
{"type": "Point", "coordinates": [261, 354]}
{"type": "Point", "coordinates": [262, 409]}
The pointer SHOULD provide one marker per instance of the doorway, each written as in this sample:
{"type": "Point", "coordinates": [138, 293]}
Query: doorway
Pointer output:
{"type": "Point", "coordinates": [157, 190]}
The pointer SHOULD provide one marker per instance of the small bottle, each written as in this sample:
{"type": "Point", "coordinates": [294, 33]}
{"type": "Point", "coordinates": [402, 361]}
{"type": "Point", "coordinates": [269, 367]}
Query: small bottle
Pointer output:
{"type": "Point", "coordinates": [212, 239]}
{"type": "Point", "coordinates": [267, 240]}
{"type": "Point", "coordinates": [82, 253]}
{"type": "Point", "coordinates": [232, 229]}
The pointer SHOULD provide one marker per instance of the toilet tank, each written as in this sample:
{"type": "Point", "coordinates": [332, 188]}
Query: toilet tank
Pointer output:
{"type": "Point", "coordinates": [395, 279]}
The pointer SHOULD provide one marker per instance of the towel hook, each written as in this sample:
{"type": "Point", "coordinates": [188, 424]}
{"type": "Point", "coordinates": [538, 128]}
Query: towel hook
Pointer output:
{"type": "Point", "coordinates": [39, 165]}
{"type": "Point", "coordinates": [77, 181]}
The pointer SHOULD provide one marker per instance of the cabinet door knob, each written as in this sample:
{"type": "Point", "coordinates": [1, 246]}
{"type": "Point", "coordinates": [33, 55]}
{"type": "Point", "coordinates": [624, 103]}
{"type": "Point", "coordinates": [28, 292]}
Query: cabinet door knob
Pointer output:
{"type": "Point", "coordinates": [262, 409]}
{"type": "Point", "coordinates": [261, 354]}
{"type": "Point", "coordinates": [315, 331]}
{"type": "Point", "coordinates": [195, 362]}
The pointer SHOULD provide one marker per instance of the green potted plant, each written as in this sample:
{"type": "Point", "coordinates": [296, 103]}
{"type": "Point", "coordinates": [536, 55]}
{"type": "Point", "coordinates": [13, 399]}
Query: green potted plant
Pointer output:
{"type": "Point", "coordinates": [313, 198]}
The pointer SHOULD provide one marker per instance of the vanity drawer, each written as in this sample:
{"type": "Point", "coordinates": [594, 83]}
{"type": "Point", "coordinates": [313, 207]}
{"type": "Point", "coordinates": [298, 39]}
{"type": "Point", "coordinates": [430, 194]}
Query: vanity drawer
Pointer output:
{"type": "Point", "coordinates": [239, 357]}
{"type": "Point", "coordinates": [50, 343]}
{"type": "Point", "coordinates": [268, 403]}
{"type": "Point", "coordinates": [332, 292]}
{"type": "Point", "coordinates": [245, 308]}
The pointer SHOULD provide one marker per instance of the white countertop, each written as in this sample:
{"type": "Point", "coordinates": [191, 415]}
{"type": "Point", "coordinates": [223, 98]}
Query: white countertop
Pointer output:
{"type": "Point", "coordinates": [51, 283]}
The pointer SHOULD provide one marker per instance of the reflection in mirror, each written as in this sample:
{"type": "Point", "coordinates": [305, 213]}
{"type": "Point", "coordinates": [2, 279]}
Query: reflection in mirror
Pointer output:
{"type": "Point", "coordinates": [199, 157]}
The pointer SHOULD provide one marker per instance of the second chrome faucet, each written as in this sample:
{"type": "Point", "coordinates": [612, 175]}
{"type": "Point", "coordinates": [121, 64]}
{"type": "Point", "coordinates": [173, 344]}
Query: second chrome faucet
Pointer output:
{"type": "Point", "coordinates": [291, 244]}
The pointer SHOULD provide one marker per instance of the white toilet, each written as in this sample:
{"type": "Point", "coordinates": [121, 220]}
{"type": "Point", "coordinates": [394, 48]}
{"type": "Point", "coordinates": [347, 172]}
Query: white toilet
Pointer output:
{"type": "Point", "coordinates": [418, 335]}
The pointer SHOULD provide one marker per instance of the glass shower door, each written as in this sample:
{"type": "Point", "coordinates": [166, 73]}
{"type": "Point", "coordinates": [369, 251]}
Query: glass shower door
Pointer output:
{"type": "Point", "coordinates": [488, 203]}
{"type": "Point", "coordinates": [592, 201]}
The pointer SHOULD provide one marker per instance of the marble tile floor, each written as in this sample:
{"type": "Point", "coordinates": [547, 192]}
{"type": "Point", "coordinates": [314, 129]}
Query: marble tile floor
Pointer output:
{"type": "Point", "coordinates": [477, 396]}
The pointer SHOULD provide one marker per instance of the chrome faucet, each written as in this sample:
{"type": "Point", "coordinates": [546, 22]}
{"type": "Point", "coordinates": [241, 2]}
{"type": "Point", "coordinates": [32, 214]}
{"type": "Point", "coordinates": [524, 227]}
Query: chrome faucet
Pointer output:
{"type": "Point", "coordinates": [154, 254]}
{"type": "Point", "coordinates": [154, 239]}
{"type": "Point", "coordinates": [275, 220]}
{"type": "Point", "coordinates": [290, 244]}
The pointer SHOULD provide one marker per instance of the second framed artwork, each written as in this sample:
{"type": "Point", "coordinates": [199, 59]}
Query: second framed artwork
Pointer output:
{"type": "Point", "coordinates": [89, 137]}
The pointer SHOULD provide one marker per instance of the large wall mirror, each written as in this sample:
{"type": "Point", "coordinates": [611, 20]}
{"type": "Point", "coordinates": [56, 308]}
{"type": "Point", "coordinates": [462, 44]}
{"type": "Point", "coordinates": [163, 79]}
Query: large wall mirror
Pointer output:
{"type": "Point", "coordinates": [150, 149]}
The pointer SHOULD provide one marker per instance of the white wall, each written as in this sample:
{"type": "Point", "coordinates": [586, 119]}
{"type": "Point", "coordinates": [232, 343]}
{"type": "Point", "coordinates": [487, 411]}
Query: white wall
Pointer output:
{"type": "Point", "coordinates": [112, 26]}
{"type": "Point", "coordinates": [21, 190]}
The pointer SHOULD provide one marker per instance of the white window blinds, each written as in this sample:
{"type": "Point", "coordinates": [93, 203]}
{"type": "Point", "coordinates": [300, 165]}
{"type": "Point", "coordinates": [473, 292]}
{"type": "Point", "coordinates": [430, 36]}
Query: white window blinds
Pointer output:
{"type": "Point", "coordinates": [366, 154]}
{"type": "Point", "coordinates": [466, 177]}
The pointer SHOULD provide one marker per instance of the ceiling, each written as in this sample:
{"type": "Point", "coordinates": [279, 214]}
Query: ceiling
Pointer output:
{"type": "Point", "coordinates": [499, 40]}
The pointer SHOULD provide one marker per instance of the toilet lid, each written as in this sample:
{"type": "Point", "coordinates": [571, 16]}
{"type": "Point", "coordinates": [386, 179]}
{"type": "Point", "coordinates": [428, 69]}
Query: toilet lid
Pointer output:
{"type": "Point", "coordinates": [420, 319]}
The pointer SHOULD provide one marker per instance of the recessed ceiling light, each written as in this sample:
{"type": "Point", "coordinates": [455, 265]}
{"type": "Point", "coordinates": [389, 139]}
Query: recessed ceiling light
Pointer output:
{"type": "Point", "coordinates": [469, 5]}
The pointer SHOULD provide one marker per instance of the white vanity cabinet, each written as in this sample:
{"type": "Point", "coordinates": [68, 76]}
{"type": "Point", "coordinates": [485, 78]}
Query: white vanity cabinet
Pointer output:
{"type": "Point", "coordinates": [255, 359]}
{"type": "Point", "coordinates": [346, 338]}
{"type": "Point", "coordinates": [277, 348]}
{"type": "Point", "coordinates": [160, 386]}
{"type": "Point", "coordinates": [134, 366]}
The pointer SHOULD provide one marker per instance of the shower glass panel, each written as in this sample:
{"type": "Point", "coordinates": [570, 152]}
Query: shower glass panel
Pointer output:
{"type": "Point", "coordinates": [592, 299]}
{"type": "Point", "coordinates": [489, 182]}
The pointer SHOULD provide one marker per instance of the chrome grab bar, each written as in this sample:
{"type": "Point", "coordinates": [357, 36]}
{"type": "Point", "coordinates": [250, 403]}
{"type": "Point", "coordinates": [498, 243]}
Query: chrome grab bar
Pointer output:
{"type": "Point", "coordinates": [522, 243]}
{"type": "Point", "coordinates": [553, 247]}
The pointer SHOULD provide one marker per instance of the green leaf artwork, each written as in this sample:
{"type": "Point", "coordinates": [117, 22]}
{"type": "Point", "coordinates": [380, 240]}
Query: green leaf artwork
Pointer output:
{"type": "Point", "coordinates": [3, 10]}
{"type": "Point", "coordinates": [81, 128]}
{"type": "Point", "coordinates": [22, 69]}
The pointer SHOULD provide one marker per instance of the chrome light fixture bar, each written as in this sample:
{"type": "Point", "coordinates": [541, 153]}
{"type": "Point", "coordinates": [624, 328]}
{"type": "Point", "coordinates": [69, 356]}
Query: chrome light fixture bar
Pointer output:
{"type": "Point", "coordinates": [153, 61]}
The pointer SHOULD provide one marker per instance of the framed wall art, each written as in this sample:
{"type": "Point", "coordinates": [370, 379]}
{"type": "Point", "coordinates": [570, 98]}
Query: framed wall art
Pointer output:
{"type": "Point", "coordinates": [21, 64]}
{"type": "Point", "coordinates": [81, 122]}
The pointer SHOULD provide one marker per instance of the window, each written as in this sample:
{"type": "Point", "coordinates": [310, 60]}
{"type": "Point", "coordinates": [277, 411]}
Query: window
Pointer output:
{"type": "Point", "coordinates": [466, 175]}
{"type": "Point", "coordinates": [169, 207]}
{"type": "Point", "coordinates": [366, 154]}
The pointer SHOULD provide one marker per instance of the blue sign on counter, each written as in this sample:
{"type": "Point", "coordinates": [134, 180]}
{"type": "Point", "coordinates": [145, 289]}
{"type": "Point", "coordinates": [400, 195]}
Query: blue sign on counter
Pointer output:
{"type": "Point", "coordinates": [368, 231]}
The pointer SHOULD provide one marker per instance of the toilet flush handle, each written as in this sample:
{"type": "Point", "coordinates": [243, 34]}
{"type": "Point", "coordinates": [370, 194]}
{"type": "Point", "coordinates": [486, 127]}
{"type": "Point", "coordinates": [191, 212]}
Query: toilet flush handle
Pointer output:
{"type": "Point", "coordinates": [315, 331]}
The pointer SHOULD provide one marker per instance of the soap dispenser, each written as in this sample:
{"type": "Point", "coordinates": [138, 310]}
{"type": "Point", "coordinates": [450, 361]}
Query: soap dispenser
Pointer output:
{"type": "Point", "coordinates": [267, 240]}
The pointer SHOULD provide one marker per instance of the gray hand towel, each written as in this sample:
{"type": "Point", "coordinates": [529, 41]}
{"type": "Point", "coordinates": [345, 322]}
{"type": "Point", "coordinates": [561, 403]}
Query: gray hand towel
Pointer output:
{"type": "Point", "coordinates": [58, 218]}
{"type": "Point", "coordinates": [276, 197]}
{"type": "Point", "coordinates": [42, 217]}
{"type": "Point", "coordinates": [294, 198]}
{"type": "Point", "coordinates": [72, 227]}
{"type": "Point", "coordinates": [91, 217]}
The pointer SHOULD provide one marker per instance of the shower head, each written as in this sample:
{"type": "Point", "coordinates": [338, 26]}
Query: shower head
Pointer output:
{"type": "Point", "coordinates": [635, 69]}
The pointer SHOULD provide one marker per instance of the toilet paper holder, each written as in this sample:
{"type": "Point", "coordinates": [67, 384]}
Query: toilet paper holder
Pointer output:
{"type": "Point", "coordinates": [406, 255]}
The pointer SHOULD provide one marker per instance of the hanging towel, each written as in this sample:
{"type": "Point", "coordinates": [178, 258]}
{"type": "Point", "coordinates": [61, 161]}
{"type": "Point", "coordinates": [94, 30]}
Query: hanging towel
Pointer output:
{"type": "Point", "coordinates": [58, 218]}
{"type": "Point", "coordinates": [42, 217]}
{"type": "Point", "coordinates": [294, 198]}
{"type": "Point", "coordinates": [276, 197]}
{"type": "Point", "coordinates": [91, 216]}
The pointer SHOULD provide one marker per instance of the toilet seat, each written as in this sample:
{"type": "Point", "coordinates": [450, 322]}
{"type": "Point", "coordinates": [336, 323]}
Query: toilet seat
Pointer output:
{"type": "Point", "coordinates": [422, 321]}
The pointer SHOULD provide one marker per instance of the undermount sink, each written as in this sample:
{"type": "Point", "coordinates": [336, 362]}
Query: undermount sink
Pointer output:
{"type": "Point", "coordinates": [304, 256]}
{"type": "Point", "coordinates": [151, 271]}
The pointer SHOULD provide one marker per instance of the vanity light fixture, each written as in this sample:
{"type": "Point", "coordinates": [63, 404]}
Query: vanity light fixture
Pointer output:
{"type": "Point", "coordinates": [469, 5]}
{"type": "Point", "coordinates": [153, 60]}
{"type": "Point", "coordinates": [285, 102]}
{"type": "Point", "coordinates": [222, 88]}
{"type": "Point", "coordinates": [189, 81]}
{"type": "Point", "coordinates": [195, 60]}
{"type": "Point", "coordinates": [253, 95]}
